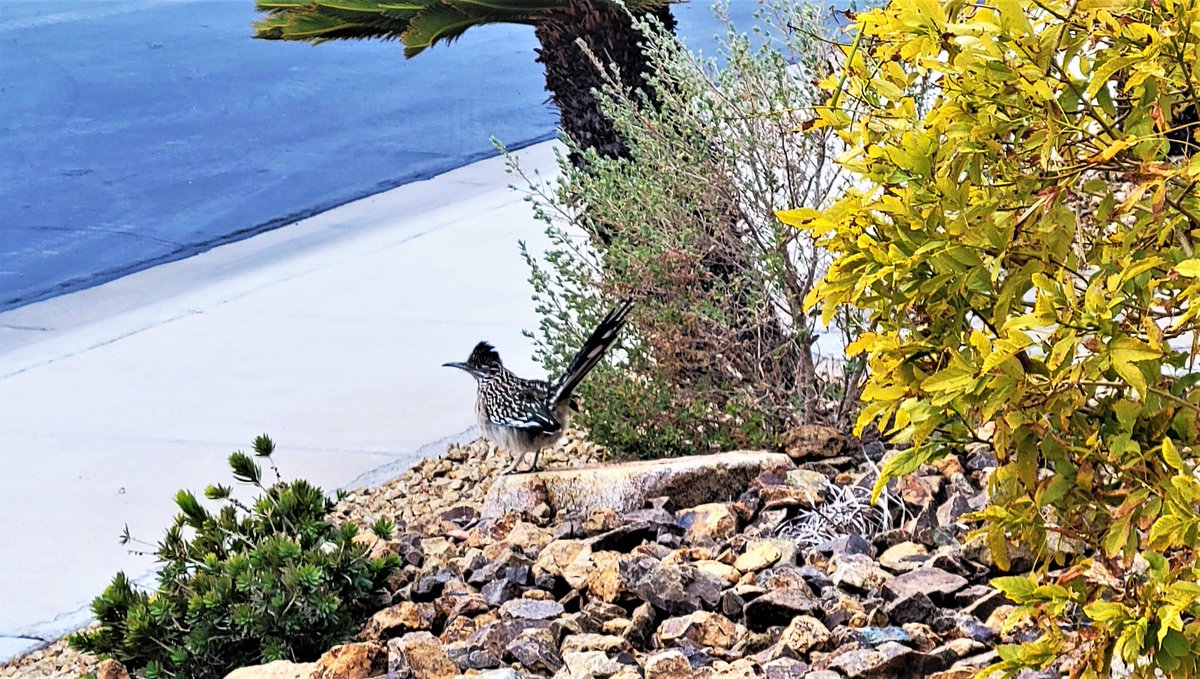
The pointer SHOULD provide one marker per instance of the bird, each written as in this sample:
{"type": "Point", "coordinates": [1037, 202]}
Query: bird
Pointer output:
{"type": "Point", "coordinates": [525, 416]}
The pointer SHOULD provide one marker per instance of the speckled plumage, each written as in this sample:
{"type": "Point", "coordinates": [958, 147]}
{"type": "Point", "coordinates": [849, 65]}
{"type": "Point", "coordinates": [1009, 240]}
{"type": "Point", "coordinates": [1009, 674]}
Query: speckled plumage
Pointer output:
{"type": "Point", "coordinates": [525, 416]}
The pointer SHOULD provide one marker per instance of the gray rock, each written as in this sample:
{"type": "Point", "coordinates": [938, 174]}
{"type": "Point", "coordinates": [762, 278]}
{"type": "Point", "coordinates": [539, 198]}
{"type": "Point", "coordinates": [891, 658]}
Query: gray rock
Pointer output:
{"type": "Point", "coordinates": [936, 583]}
{"type": "Point", "coordinates": [915, 607]}
{"type": "Point", "coordinates": [590, 665]}
{"type": "Point", "coordinates": [535, 652]}
{"type": "Point", "coordinates": [847, 544]}
{"type": "Point", "coordinates": [955, 506]}
{"type": "Point", "coordinates": [531, 609]}
{"type": "Point", "coordinates": [785, 668]}
{"type": "Point", "coordinates": [889, 660]}
{"type": "Point", "coordinates": [495, 637]}
{"type": "Point", "coordinates": [980, 601]}
{"type": "Point", "coordinates": [857, 571]}
{"type": "Point", "coordinates": [675, 590]}
{"type": "Point", "coordinates": [779, 608]}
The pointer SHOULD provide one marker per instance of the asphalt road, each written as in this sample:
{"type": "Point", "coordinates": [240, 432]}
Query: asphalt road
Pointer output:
{"type": "Point", "coordinates": [136, 132]}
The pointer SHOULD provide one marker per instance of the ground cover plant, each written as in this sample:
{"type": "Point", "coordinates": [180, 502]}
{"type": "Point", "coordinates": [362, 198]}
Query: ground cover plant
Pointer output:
{"type": "Point", "coordinates": [244, 584]}
{"type": "Point", "coordinates": [722, 353]}
{"type": "Point", "coordinates": [1023, 237]}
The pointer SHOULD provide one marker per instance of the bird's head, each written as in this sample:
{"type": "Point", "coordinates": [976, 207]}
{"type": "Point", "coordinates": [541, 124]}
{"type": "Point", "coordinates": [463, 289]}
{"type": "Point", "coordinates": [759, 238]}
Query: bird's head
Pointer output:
{"type": "Point", "coordinates": [483, 362]}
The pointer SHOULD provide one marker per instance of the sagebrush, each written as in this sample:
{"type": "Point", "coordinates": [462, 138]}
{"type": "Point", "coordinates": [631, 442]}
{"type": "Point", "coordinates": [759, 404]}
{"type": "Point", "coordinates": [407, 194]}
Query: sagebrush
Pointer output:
{"type": "Point", "coordinates": [721, 352]}
{"type": "Point", "coordinates": [242, 585]}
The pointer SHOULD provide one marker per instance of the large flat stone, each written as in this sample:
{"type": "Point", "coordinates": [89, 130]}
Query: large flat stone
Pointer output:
{"type": "Point", "coordinates": [688, 481]}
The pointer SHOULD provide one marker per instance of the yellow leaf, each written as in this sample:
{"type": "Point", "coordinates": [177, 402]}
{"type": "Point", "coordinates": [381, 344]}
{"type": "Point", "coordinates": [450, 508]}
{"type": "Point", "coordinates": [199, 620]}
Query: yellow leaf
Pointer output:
{"type": "Point", "coordinates": [1172, 458]}
{"type": "Point", "coordinates": [1189, 268]}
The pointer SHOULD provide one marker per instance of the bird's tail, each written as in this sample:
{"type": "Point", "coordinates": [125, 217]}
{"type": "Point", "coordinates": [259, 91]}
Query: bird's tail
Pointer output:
{"type": "Point", "coordinates": [592, 351]}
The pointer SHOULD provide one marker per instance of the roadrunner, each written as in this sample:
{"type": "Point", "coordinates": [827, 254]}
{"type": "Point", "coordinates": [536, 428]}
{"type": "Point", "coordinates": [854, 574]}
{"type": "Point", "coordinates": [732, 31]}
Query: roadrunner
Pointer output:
{"type": "Point", "coordinates": [525, 416]}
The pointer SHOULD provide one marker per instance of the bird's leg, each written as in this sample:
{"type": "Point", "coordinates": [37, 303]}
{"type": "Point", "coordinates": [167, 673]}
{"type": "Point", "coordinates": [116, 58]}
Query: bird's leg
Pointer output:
{"type": "Point", "coordinates": [534, 467]}
{"type": "Point", "coordinates": [512, 469]}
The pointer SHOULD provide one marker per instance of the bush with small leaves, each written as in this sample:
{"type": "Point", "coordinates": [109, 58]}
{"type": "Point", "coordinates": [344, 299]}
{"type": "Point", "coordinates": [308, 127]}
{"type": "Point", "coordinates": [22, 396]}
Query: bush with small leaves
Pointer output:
{"type": "Point", "coordinates": [242, 585]}
{"type": "Point", "coordinates": [720, 352]}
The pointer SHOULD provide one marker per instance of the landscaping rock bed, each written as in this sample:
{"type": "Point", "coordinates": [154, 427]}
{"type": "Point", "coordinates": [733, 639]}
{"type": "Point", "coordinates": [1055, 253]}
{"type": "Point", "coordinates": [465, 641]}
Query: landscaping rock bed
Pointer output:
{"type": "Point", "coordinates": [782, 573]}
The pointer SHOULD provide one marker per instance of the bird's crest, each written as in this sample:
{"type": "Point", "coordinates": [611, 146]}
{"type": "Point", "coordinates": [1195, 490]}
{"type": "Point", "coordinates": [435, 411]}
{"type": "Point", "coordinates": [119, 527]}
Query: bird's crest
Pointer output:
{"type": "Point", "coordinates": [484, 356]}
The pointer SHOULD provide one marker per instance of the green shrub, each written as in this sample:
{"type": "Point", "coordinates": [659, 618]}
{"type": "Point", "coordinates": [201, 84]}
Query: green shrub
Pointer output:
{"type": "Point", "coordinates": [1025, 238]}
{"type": "Point", "coordinates": [720, 352]}
{"type": "Point", "coordinates": [242, 585]}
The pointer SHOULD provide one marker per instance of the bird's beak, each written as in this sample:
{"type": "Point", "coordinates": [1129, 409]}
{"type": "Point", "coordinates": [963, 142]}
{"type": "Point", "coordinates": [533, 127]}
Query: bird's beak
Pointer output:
{"type": "Point", "coordinates": [460, 366]}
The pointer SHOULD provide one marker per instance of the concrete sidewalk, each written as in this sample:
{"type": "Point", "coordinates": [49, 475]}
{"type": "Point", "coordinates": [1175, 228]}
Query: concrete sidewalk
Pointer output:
{"type": "Point", "coordinates": [328, 335]}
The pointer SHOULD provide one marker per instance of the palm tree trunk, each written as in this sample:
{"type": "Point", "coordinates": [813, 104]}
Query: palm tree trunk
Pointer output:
{"type": "Point", "coordinates": [571, 76]}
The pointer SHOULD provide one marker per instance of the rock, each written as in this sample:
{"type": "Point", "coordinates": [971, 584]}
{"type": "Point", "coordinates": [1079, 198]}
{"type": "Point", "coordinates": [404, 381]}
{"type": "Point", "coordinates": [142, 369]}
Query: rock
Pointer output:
{"type": "Point", "coordinates": [877, 636]}
{"type": "Point", "coordinates": [847, 544]}
{"type": "Point", "coordinates": [882, 662]}
{"type": "Point", "coordinates": [535, 651]}
{"type": "Point", "coordinates": [419, 655]}
{"type": "Point", "coordinates": [980, 600]}
{"type": "Point", "coordinates": [498, 591]}
{"type": "Point", "coordinates": [955, 506]}
{"type": "Point", "coordinates": [670, 664]}
{"type": "Point", "coordinates": [719, 570]}
{"type": "Point", "coordinates": [641, 625]}
{"type": "Point", "coordinates": [742, 668]}
{"type": "Point", "coordinates": [823, 674]}
{"type": "Point", "coordinates": [708, 523]}
{"type": "Point", "coordinates": [703, 629]}
{"type": "Point", "coordinates": [111, 669]}
{"type": "Point", "coordinates": [353, 661]}
{"type": "Point", "coordinates": [858, 571]}
{"type": "Point", "coordinates": [604, 582]}
{"type": "Point", "coordinates": [676, 590]}
{"type": "Point", "coordinates": [936, 583]}
{"type": "Point", "coordinates": [399, 619]}
{"type": "Point", "coordinates": [470, 657]}
{"type": "Point", "coordinates": [590, 665]}
{"type": "Point", "coordinates": [809, 441]}
{"type": "Point", "coordinates": [763, 552]}
{"type": "Point", "coordinates": [803, 634]}
{"type": "Point", "coordinates": [812, 484]}
{"type": "Point", "coordinates": [495, 637]}
{"type": "Point", "coordinates": [570, 560]}
{"type": "Point", "coordinates": [914, 607]}
{"type": "Point", "coordinates": [280, 669]}
{"type": "Point", "coordinates": [530, 609]}
{"type": "Point", "coordinates": [779, 607]}
{"type": "Point", "coordinates": [687, 481]}
{"type": "Point", "coordinates": [903, 557]}
{"type": "Point", "coordinates": [785, 668]}
{"type": "Point", "coordinates": [784, 577]}
{"type": "Point", "coordinates": [816, 578]}
{"type": "Point", "coordinates": [460, 628]}
{"type": "Point", "coordinates": [593, 642]}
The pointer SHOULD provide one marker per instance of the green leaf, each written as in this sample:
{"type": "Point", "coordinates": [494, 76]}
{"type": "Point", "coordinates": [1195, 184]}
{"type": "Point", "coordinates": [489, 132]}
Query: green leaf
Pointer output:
{"type": "Point", "coordinates": [244, 468]}
{"type": "Point", "coordinates": [1018, 588]}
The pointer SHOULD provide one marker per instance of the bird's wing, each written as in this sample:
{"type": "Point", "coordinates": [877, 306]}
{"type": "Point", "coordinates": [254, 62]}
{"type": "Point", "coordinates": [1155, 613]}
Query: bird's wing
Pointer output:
{"type": "Point", "coordinates": [528, 407]}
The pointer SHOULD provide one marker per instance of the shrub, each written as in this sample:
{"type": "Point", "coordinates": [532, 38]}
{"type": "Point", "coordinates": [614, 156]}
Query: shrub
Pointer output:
{"type": "Point", "coordinates": [242, 585]}
{"type": "Point", "coordinates": [721, 352]}
{"type": "Point", "coordinates": [1024, 239]}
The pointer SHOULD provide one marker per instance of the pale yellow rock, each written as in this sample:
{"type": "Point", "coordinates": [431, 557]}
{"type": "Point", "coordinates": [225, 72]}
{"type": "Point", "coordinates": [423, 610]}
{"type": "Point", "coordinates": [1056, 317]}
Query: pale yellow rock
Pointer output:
{"type": "Point", "coordinates": [567, 559]}
{"type": "Point", "coordinates": [688, 481]}
{"type": "Point", "coordinates": [708, 522]}
{"type": "Point", "coordinates": [724, 571]}
{"type": "Point", "coordinates": [280, 669]}
{"type": "Point", "coordinates": [760, 554]}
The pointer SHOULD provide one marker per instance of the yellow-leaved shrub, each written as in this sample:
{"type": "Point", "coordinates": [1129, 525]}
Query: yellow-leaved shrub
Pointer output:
{"type": "Point", "coordinates": [1023, 231]}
